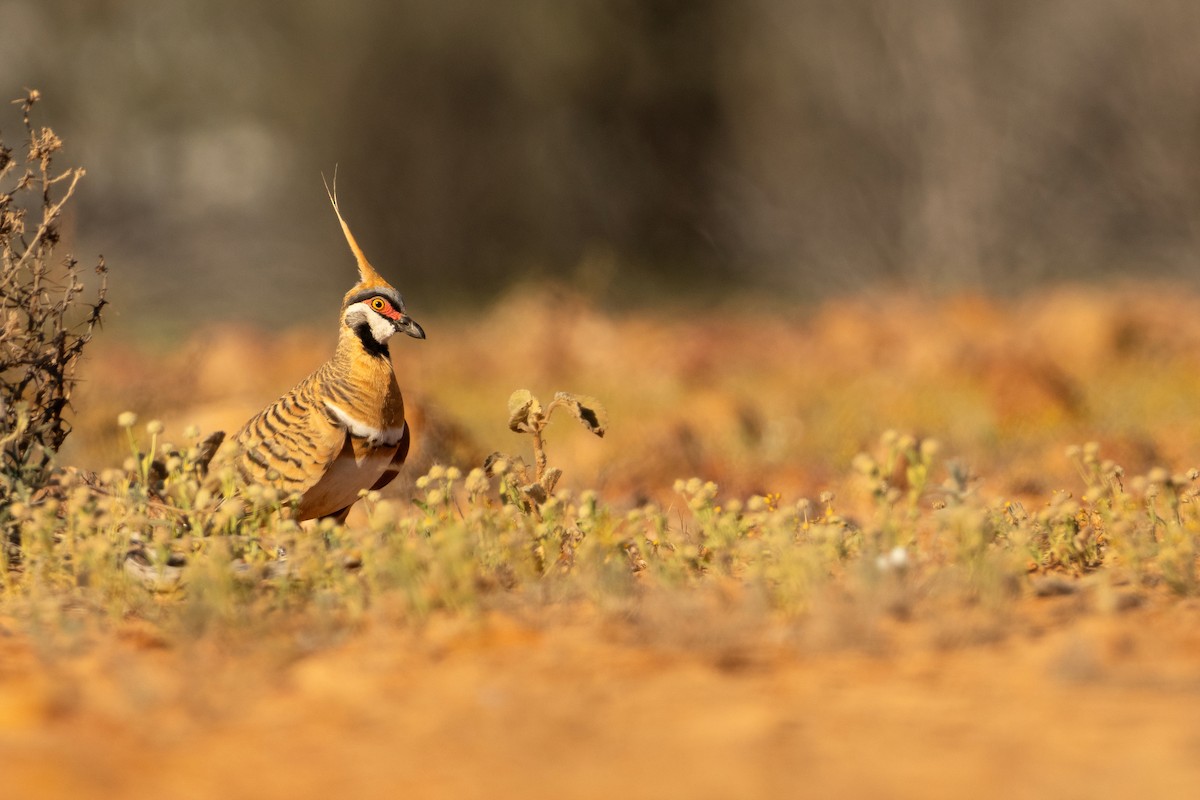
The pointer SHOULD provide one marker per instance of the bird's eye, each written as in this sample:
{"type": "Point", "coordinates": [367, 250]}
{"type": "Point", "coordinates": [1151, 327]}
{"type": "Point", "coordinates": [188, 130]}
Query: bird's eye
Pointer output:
{"type": "Point", "coordinates": [378, 304]}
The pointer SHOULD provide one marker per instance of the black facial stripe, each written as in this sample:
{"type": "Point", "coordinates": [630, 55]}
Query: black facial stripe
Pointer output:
{"type": "Point", "coordinates": [366, 294]}
{"type": "Point", "coordinates": [369, 343]}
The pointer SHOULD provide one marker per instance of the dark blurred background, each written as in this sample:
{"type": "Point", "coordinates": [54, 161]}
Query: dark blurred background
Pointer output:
{"type": "Point", "coordinates": [642, 150]}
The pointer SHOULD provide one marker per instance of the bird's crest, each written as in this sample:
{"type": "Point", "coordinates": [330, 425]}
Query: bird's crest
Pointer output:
{"type": "Point", "coordinates": [368, 277]}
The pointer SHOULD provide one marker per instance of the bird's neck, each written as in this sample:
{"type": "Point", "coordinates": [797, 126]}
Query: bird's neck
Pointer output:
{"type": "Point", "coordinates": [359, 351]}
{"type": "Point", "coordinates": [364, 369]}
{"type": "Point", "coordinates": [366, 340]}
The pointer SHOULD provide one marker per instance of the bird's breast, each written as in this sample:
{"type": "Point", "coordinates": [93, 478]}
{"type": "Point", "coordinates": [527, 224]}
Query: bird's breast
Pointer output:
{"type": "Point", "coordinates": [358, 466]}
{"type": "Point", "coordinates": [374, 433]}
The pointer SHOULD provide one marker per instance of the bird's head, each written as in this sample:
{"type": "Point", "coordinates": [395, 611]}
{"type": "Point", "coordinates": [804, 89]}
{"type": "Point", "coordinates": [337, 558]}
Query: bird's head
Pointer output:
{"type": "Point", "coordinates": [379, 311]}
{"type": "Point", "coordinates": [372, 308]}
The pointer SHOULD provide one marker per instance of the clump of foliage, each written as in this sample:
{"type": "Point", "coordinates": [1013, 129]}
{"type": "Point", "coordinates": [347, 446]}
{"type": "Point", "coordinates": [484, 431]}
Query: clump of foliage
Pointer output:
{"type": "Point", "coordinates": [155, 539]}
{"type": "Point", "coordinates": [531, 487]}
{"type": "Point", "coordinates": [45, 320]}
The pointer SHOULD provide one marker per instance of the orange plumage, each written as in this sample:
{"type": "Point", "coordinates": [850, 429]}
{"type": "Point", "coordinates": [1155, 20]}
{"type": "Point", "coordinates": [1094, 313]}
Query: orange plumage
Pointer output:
{"type": "Point", "coordinates": [341, 429]}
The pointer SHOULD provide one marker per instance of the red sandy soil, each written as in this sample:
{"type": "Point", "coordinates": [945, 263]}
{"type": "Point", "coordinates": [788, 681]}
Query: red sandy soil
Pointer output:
{"type": "Point", "coordinates": [1058, 700]}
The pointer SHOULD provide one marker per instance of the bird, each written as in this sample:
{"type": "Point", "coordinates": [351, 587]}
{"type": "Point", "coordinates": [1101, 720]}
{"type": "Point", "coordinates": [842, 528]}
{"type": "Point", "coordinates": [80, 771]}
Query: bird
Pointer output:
{"type": "Point", "coordinates": [342, 429]}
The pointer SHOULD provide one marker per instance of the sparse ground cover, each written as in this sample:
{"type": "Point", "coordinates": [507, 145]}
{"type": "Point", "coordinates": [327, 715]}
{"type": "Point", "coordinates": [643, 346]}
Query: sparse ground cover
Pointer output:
{"type": "Point", "coordinates": [751, 586]}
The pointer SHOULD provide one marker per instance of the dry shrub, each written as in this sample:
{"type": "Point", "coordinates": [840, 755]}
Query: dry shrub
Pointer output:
{"type": "Point", "coordinates": [45, 319]}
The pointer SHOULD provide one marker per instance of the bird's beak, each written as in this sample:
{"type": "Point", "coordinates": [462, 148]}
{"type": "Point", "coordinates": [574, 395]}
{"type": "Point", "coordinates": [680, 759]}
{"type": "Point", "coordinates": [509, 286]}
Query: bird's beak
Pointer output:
{"type": "Point", "coordinates": [407, 324]}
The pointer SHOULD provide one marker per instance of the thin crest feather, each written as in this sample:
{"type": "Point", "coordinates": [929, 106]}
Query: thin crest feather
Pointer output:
{"type": "Point", "coordinates": [367, 274]}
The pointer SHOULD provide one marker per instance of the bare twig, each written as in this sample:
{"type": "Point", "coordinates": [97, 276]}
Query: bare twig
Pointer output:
{"type": "Point", "coordinates": [49, 217]}
{"type": "Point", "coordinates": [44, 319]}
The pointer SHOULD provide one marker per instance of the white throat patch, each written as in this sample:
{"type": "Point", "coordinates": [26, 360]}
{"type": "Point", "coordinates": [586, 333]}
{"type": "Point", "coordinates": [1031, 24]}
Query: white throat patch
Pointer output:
{"type": "Point", "coordinates": [382, 328]}
{"type": "Point", "coordinates": [377, 436]}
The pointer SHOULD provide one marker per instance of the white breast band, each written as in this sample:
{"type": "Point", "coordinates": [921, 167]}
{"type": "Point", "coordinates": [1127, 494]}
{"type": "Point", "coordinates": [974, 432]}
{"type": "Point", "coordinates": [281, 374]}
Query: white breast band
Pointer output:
{"type": "Point", "coordinates": [386, 436]}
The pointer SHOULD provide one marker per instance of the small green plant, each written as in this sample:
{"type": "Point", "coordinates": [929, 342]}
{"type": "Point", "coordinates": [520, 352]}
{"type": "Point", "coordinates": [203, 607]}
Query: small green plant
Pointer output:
{"type": "Point", "coordinates": [898, 475]}
{"type": "Point", "coordinates": [529, 487]}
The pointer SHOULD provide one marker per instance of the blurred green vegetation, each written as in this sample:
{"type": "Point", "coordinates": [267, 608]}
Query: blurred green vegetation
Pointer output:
{"type": "Point", "coordinates": [170, 550]}
{"type": "Point", "coordinates": [639, 149]}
